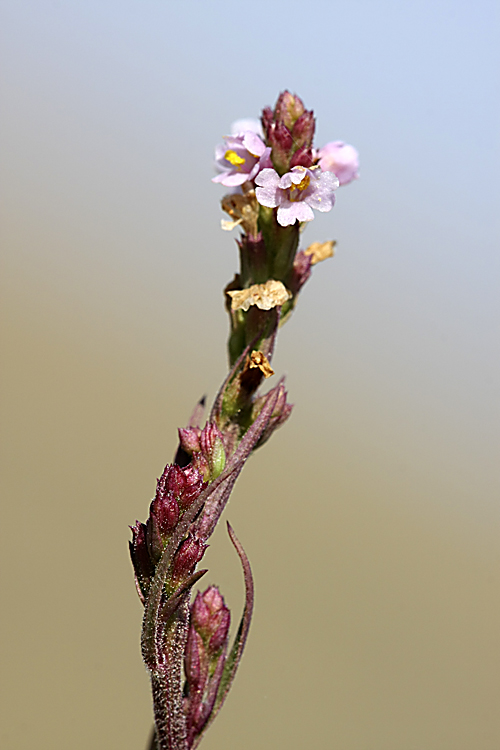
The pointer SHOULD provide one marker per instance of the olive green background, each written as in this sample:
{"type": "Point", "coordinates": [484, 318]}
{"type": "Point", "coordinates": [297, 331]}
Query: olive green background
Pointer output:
{"type": "Point", "coordinates": [371, 519]}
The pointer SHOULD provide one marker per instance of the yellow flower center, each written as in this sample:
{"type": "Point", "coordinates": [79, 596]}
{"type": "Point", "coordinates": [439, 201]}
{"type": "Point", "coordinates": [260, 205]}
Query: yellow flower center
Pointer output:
{"type": "Point", "coordinates": [303, 185]}
{"type": "Point", "coordinates": [233, 158]}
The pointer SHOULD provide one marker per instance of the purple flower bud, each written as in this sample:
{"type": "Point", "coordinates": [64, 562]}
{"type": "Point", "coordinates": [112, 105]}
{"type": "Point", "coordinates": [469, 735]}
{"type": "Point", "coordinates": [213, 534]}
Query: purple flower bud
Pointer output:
{"type": "Point", "coordinates": [208, 436]}
{"type": "Point", "coordinates": [220, 636]}
{"type": "Point", "coordinates": [281, 412]}
{"type": "Point", "coordinates": [189, 553]}
{"type": "Point", "coordinates": [195, 661]}
{"type": "Point", "coordinates": [301, 272]}
{"type": "Point", "coordinates": [213, 600]}
{"type": "Point", "coordinates": [161, 483]}
{"type": "Point", "coordinates": [200, 612]}
{"type": "Point", "coordinates": [341, 159]}
{"type": "Point", "coordinates": [153, 538]}
{"type": "Point", "coordinates": [288, 109]}
{"type": "Point", "coordinates": [204, 658]}
{"type": "Point", "coordinates": [166, 511]}
{"type": "Point", "coordinates": [303, 157]}
{"type": "Point", "coordinates": [139, 553]}
{"type": "Point", "coordinates": [212, 449]}
{"type": "Point", "coordinates": [289, 130]}
{"type": "Point", "coordinates": [281, 141]}
{"type": "Point", "coordinates": [176, 481]}
{"type": "Point", "coordinates": [182, 483]}
{"type": "Point", "coordinates": [189, 438]}
{"type": "Point", "coordinates": [303, 131]}
{"type": "Point", "coordinates": [200, 463]}
{"type": "Point", "coordinates": [194, 485]}
{"type": "Point", "coordinates": [211, 618]}
{"type": "Point", "coordinates": [267, 121]}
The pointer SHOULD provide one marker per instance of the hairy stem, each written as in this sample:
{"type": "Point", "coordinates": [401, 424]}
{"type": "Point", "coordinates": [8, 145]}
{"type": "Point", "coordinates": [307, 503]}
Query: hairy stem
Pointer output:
{"type": "Point", "coordinates": [166, 684]}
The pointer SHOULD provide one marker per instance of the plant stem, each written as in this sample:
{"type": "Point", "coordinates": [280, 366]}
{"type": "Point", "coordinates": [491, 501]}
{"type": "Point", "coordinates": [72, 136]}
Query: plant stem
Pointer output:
{"type": "Point", "coordinates": [166, 684]}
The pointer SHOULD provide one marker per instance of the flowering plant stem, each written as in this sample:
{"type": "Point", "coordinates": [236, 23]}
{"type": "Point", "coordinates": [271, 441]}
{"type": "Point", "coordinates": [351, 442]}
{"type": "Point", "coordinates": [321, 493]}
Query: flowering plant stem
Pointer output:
{"type": "Point", "coordinates": [185, 644]}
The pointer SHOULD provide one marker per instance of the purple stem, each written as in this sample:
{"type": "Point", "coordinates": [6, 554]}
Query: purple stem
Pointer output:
{"type": "Point", "coordinates": [166, 684]}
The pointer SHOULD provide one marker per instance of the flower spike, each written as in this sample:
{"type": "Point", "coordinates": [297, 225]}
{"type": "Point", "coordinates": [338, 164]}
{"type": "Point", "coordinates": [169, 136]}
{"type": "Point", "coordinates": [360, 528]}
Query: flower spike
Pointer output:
{"type": "Point", "coordinates": [277, 179]}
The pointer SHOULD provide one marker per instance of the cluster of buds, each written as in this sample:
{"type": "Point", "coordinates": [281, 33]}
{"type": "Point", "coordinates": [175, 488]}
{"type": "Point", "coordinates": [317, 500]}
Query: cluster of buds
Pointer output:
{"type": "Point", "coordinates": [176, 491]}
{"type": "Point", "coordinates": [204, 658]}
{"type": "Point", "coordinates": [289, 131]}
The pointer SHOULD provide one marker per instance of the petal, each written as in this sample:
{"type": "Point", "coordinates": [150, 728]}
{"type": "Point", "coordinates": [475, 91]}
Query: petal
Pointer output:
{"type": "Point", "coordinates": [265, 159]}
{"type": "Point", "coordinates": [303, 211]}
{"type": "Point", "coordinates": [231, 179]}
{"type": "Point", "coordinates": [286, 181]}
{"type": "Point", "coordinates": [253, 143]}
{"type": "Point", "coordinates": [320, 202]}
{"type": "Point", "coordinates": [290, 211]}
{"type": "Point", "coordinates": [286, 215]}
{"type": "Point", "coordinates": [220, 150]}
{"type": "Point", "coordinates": [298, 173]}
{"type": "Point", "coordinates": [328, 181]}
{"type": "Point", "coordinates": [268, 196]}
{"type": "Point", "coordinates": [268, 178]}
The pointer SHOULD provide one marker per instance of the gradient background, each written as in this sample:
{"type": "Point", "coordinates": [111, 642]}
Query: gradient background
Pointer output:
{"type": "Point", "coordinates": [372, 519]}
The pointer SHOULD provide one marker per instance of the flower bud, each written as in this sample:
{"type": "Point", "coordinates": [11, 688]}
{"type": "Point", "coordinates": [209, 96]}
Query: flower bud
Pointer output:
{"type": "Point", "coordinates": [176, 481]}
{"type": "Point", "coordinates": [166, 511]}
{"type": "Point", "coordinates": [189, 438]}
{"type": "Point", "coordinates": [211, 618]}
{"type": "Point", "coordinates": [194, 485]}
{"type": "Point", "coordinates": [195, 660]}
{"type": "Point", "coordinates": [212, 449]}
{"type": "Point", "coordinates": [289, 130]}
{"type": "Point", "coordinates": [281, 142]}
{"type": "Point", "coordinates": [281, 412]}
{"type": "Point", "coordinates": [182, 483]}
{"type": "Point", "coordinates": [267, 119]}
{"type": "Point", "coordinates": [303, 132]}
{"type": "Point", "coordinates": [220, 635]}
{"type": "Point", "coordinates": [143, 566]}
{"type": "Point", "coordinates": [200, 612]}
{"type": "Point", "coordinates": [153, 538]}
{"type": "Point", "coordinates": [200, 463]}
{"type": "Point", "coordinates": [341, 159]}
{"type": "Point", "coordinates": [303, 157]}
{"type": "Point", "coordinates": [288, 109]}
{"type": "Point", "coordinates": [301, 272]}
{"type": "Point", "coordinates": [189, 553]}
{"type": "Point", "coordinates": [204, 659]}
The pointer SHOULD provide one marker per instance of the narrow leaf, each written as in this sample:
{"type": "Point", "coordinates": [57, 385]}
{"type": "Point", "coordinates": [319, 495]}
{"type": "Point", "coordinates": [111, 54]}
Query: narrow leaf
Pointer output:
{"type": "Point", "coordinates": [234, 658]}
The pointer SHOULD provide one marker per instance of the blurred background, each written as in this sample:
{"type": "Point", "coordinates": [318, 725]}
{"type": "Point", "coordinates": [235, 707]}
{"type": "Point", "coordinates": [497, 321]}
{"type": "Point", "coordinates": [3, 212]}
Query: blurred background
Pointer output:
{"type": "Point", "coordinates": [372, 518]}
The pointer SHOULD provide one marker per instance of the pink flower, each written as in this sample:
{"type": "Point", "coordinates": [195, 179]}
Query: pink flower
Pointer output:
{"type": "Point", "coordinates": [296, 193]}
{"type": "Point", "coordinates": [341, 159]}
{"type": "Point", "coordinates": [240, 158]}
